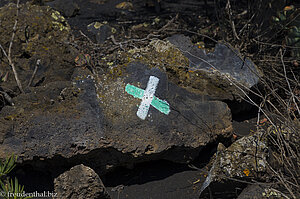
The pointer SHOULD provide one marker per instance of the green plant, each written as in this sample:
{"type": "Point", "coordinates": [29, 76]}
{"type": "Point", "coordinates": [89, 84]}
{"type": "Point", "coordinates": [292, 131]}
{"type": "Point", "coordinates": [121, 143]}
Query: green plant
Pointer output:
{"type": "Point", "coordinates": [9, 188]}
{"type": "Point", "coordinates": [289, 19]}
{"type": "Point", "coordinates": [7, 166]}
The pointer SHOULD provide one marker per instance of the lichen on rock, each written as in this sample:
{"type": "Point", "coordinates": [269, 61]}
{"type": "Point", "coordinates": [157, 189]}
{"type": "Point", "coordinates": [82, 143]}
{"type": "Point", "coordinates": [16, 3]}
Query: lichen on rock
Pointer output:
{"type": "Point", "coordinates": [41, 33]}
{"type": "Point", "coordinates": [246, 158]}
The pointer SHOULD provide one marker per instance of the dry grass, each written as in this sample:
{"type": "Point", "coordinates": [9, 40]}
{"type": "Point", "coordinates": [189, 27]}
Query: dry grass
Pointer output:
{"type": "Point", "coordinates": [280, 90]}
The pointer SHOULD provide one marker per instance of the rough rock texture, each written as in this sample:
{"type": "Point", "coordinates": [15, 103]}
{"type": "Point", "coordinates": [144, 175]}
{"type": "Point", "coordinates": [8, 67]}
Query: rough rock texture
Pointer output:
{"type": "Point", "coordinates": [245, 158]}
{"type": "Point", "coordinates": [193, 121]}
{"type": "Point", "coordinates": [80, 182]}
{"type": "Point", "coordinates": [68, 8]}
{"type": "Point", "coordinates": [41, 34]}
{"type": "Point", "coordinates": [58, 119]}
{"type": "Point", "coordinates": [260, 192]}
{"type": "Point", "coordinates": [99, 31]}
{"type": "Point", "coordinates": [252, 192]}
{"type": "Point", "coordinates": [72, 114]}
{"type": "Point", "coordinates": [216, 68]}
{"type": "Point", "coordinates": [69, 119]}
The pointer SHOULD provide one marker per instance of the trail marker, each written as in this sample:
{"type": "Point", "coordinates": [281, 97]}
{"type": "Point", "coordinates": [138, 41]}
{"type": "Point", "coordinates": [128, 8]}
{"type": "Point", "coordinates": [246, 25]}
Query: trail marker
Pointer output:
{"type": "Point", "coordinates": [148, 98]}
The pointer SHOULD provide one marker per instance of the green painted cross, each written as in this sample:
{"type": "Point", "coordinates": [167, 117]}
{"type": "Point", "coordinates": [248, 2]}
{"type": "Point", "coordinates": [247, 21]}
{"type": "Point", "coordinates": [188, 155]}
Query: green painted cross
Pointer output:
{"type": "Point", "coordinates": [148, 98]}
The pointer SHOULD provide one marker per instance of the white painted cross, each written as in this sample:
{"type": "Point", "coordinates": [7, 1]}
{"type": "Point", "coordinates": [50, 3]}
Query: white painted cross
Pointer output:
{"type": "Point", "coordinates": [148, 98]}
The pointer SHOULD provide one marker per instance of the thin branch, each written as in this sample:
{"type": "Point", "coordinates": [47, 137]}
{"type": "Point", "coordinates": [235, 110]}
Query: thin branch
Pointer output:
{"type": "Point", "coordinates": [34, 72]}
{"type": "Point", "coordinates": [84, 35]}
{"type": "Point", "coordinates": [229, 12]}
{"type": "Point", "coordinates": [8, 56]}
{"type": "Point", "coordinates": [168, 24]}
{"type": "Point", "coordinates": [288, 83]}
{"type": "Point", "coordinates": [14, 30]}
{"type": "Point", "coordinates": [153, 34]}
{"type": "Point", "coordinates": [7, 98]}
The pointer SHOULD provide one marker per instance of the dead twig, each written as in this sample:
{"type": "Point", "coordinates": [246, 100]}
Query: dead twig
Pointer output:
{"type": "Point", "coordinates": [246, 25]}
{"type": "Point", "coordinates": [34, 72]}
{"type": "Point", "coordinates": [283, 181]}
{"type": "Point", "coordinates": [229, 12]}
{"type": "Point", "coordinates": [7, 98]}
{"type": "Point", "coordinates": [116, 43]}
{"type": "Point", "coordinates": [288, 83]}
{"type": "Point", "coordinates": [8, 55]}
{"type": "Point", "coordinates": [84, 35]}
{"type": "Point", "coordinates": [168, 24]}
{"type": "Point", "coordinates": [149, 36]}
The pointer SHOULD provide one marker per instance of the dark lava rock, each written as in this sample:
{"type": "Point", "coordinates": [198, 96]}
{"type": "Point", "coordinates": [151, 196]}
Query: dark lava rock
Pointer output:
{"type": "Point", "coordinates": [223, 68]}
{"type": "Point", "coordinates": [95, 10]}
{"type": "Point", "coordinates": [68, 8]}
{"type": "Point", "coordinates": [79, 117]}
{"type": "Point", "coordinates": [56, 119]}
{"type": "Point", "coordinates": [244, 159]}
{"type": "Point", "coordinates": [99, 31]}
{"type": "Point", "coordinates": [261, 191]}
{"type": "Point", "coordinates": [97, 118]}
{"type": "Point", "coordinates": [252, 192]}
{"type": "Point", "coordinates": [80, 182]}
{"type": "Point", "coordinates": [193, 120]}
{"type": "Point", "coordinates": [42, 34]}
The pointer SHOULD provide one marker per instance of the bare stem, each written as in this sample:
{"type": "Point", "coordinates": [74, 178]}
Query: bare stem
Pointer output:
{"type": "Point", "coordinates": [8, 55]}
{"type": "Point", "coordinates": [229, 12]}
{"type": "Point", "coordinates": [288, 83]}
{"type": "Point", "coordinates": [34, 72]}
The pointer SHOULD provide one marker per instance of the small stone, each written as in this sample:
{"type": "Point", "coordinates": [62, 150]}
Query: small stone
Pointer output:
{"type": "Point", "coordinates": [80, 182]}
{"type": "Point", "coordinates": [100, 31]}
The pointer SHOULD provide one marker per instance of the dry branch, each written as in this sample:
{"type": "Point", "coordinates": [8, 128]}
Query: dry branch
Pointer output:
{"type": "Point", "coordinates": [7, 97]}
{"type": "Point", "coordinates": [229, 12]}
{"type": "Point", "coordinates": [8, 55]}
{"type": "Point", "coordinates": [34, 72]}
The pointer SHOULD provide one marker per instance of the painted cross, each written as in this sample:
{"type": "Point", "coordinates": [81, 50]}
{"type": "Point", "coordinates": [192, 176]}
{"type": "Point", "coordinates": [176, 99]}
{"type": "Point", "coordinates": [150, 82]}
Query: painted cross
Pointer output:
{"type": "Point", "coordinates": [148, 98]}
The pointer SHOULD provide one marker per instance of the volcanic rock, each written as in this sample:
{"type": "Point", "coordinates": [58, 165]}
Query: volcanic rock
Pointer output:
{"type": "Point", "coordinates": [80, 182]}
{"type": "Point", "coordinates": [133, 112]}
{"type": "Point", "coordinates": [99, 31]}
{"type": "Point", "coordinates": [219, 73]}
{"type": "Point", "coordinates": [96, 114]}
{"type": "Point", "coordinates": [41, 34]}
{"type": "Point", "coordinates": [68, 8]}
{"type": "Point", "coordinates": [246, 158]}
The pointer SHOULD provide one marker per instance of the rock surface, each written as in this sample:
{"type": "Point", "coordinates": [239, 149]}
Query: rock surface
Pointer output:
{"type": "Point", "coordinates": [246, 158]}
{"type": "Point", "coordinates": [68, 8]}
{"type": "Point", "coordinates": [252, 192]}
{"type": "Point", "coordinates": [193, 120]}
{"type": "Point", "coordinates": [41, 34]}
{"type": "Point", "coordinates": [260, 192]}
{"type": "Point", "coordinates": [80, 182]}
{"type": "Point", "coordinates": [221, 68]}
{"type": "Point", "coordinates": [69, 115]}
{"type": "Point", "coordinates": [99, 31]}
{"type": "Point", "coordinates": [69, 119]}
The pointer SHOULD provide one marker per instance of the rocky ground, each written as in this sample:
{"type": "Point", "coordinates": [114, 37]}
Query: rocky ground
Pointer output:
{"type": "Point", "coordinates": [128, 100]}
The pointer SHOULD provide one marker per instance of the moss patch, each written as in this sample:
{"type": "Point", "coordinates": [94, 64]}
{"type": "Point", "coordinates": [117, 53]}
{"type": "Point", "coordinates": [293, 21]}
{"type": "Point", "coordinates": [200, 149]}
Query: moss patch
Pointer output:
{"type": "Point", "coordinates": [168, 58]}
{"type": "Point", "coordinates": [41, 33]}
